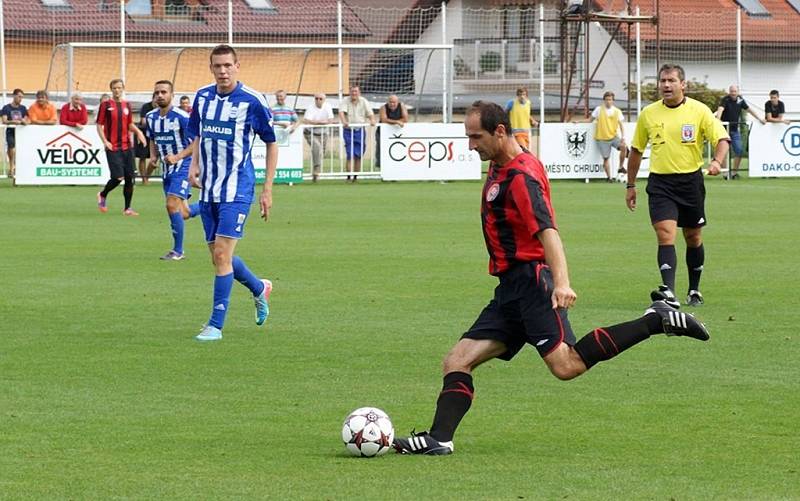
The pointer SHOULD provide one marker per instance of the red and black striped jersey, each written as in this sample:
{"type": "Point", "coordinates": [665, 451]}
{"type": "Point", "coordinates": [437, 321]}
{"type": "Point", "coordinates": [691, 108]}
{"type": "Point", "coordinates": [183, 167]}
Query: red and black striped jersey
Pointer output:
{"type": "Point", "coordinates": [116, 118]}
{"type": "Point", "coordinates": [515, 206]}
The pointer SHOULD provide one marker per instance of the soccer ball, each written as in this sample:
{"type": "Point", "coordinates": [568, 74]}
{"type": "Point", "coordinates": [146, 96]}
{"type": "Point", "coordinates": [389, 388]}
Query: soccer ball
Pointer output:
{"type": "Point", "coordinates": [367, 432]}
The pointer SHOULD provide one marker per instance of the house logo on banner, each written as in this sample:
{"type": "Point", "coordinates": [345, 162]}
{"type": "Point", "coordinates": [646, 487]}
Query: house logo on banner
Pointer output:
{"type": "Point", "coordinates": [791, 140]}
{"type": "Point", "coordinates": [68, 155]}
{"type": "Point", "coordinates": [576, 143]}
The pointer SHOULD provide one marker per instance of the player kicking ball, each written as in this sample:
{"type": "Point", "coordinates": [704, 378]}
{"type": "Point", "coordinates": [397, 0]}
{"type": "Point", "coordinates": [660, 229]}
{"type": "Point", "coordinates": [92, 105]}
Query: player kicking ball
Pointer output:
{"type": "Point", "coordinates": [167, 128]}
{"type": "Point", "coordinates": [531, 301]}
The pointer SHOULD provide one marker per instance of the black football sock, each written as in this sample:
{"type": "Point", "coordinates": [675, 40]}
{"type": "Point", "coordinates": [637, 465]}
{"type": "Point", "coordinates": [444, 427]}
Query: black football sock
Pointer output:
{"type": "Point", "coordinates": [605, 343]}
{"type": "Point", "coordinates": [453, 403]}
{"type": "Point", "coordinates": [695, 258]}
{"type": "Point", "coordinates": [127, 190]}
{"type": "Point", "coordinates": [667, 262]}
{"type": "Point", "coordinates": [110, 185]}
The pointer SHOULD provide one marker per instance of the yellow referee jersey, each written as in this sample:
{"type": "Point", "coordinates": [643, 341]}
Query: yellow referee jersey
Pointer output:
{"type": "Point", "coordinates": [676, 135]}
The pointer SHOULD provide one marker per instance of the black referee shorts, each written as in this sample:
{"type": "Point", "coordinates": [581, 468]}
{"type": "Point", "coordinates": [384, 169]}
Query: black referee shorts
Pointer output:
{"type": "Point", "coordinates": [120, 163]}
{"type": "Point", "coordinates": [522, 312]}
{"type": "Point", "coordinates": [677, 197]}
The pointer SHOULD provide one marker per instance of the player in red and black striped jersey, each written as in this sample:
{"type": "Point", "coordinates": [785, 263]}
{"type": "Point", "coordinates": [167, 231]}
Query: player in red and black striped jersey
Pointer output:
{"type": "Point", "coordinates": [530, 303]}
{"type": "Point", "coordinates": [114, 125]}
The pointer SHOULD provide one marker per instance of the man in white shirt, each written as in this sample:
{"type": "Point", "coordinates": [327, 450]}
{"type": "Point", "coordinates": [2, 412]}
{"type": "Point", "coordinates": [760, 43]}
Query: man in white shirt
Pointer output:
{"type": "Point", "coordinates": [357, 111]}
{"type": "Point", "coordinates": [320, 113]}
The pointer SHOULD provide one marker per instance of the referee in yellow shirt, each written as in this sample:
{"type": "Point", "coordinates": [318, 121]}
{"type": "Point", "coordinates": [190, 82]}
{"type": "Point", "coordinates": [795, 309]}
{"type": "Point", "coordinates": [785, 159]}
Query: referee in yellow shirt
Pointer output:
{"type": "Point", "coordinates": [676, 128]}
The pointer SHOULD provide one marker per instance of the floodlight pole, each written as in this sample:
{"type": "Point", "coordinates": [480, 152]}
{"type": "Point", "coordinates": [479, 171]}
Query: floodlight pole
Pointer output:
{"type": "Point", "coordinates": [739, 48]}
{"type": "Point", "coordinates": [541, 66]}
{"type": "Point", "coordinates": [339, 51]}
{"type": "Point", "coordinates": [230, 22]}
{"type": "Point", "coordinates": [445, 114]}
{"type": "Point", "coordinates": [638, 68]}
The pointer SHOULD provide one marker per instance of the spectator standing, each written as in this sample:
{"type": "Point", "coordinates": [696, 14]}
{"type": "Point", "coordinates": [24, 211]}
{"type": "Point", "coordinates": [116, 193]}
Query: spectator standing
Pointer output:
{"type": "Point", "coordinates": [74, 113]}
{"type": "Point", "coordinates": [519, 112]}
{"type": "Point", "coordinates": [42, 112]}
{"type": "Point", "coordinates": [393, 113]}
{"type": "Point", "coordinates": [610, 133]}
{"type": "Point", "coordinates": [141, 149]}
{"type": "Point", "coordinates": [355, 111]}
{"type": "Point", "coordinates": [320, 113]}
{"type": "Point", "coordinates": [14, 113]}
{"type": "Point", "coordinates": [283, 116]}
{"type": "Point", "coordinates": [114, 126]}
{"type": "Point", "coordinates": [774, 109]}
{"type": "Point", "coordinates": [730, 110]}
{"type": "Point", "coordinates": [186, 104]}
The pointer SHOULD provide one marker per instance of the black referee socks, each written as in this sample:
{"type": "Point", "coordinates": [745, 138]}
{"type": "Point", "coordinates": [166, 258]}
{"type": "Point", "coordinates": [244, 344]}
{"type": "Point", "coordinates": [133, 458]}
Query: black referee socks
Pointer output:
{"type": "Point", "coordinates": [667, 262]}
{"type": "Point", "coordinates": [453, 403]}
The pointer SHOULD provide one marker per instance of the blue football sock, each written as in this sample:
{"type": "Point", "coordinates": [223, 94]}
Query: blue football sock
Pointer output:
{"type": "Point", "coordinates": [222, 296]}
{"type": "Point", "coordinates": [176, 221]}
{"type": "Point", "coordinates": [246, 277]}
{"type": "Point", "coordinates": [194, 210]}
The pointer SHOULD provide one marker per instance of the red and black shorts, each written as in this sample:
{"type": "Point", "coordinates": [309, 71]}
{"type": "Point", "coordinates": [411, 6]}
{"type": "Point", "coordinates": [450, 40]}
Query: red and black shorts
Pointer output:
{"type": "Point", "coordinates": [522, 312]}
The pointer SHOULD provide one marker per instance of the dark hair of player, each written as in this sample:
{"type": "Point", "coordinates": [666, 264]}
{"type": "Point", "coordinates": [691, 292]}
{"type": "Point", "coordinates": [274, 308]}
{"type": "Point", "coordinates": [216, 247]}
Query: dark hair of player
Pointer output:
{"type": "Point", "coordinates": [223, 49]}
{"type": "Point", "coordinates": [17, 91]}
{"type": "Point", "coordinates": [491, 115]}
{"type": "Point", "coordinates": [773, 92]}
{"type": "Point", "coordinates": [608, 93]}
{"type": "Point", "coordinates": [165, 82]}
{"type": "Point", "coordinates": [673, 67]}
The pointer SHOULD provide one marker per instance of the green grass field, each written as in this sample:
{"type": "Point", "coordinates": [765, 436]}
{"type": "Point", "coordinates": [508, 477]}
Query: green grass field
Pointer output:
{"type": "Point", "coordinates": [105, 395]}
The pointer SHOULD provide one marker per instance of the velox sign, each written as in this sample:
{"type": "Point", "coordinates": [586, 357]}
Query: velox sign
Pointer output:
{"type": "Point", "coordinates": [290, 157]}
{"type": "Point", "coordinates": [56, 154]}
{"type": "Point", "coordinates": [569, 151]}
{"type": "Point", "coordinates": [774, 150]}
{"type": "Point", "coordinates": [427, 152]}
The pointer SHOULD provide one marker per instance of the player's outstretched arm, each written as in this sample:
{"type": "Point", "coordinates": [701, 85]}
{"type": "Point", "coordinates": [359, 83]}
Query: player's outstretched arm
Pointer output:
{"type": "Point", "coordinates": [563, 295]}
{"type": "Point", "coordinates": [634, 161]}
{"type": "Point", "coordinates": [266, 196]}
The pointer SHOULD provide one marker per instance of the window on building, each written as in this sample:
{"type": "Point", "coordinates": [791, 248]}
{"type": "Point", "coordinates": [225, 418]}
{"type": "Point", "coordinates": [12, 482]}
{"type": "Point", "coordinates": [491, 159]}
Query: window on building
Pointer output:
{"type": "Point", "coordinates": [260, 4]}
{"type": "Point", "coordinates": [754, 8]}
{"type": "Point", "coordinates": [55, 3]}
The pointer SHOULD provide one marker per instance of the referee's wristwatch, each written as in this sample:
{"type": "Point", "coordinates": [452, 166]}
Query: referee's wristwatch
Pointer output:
{"type": "Point", "coordinates": [630, 186]}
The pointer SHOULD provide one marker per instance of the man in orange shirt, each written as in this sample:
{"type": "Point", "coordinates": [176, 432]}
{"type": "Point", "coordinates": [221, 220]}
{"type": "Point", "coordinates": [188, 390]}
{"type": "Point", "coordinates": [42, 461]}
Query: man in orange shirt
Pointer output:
{"type": "Point", "coordinates": [42, 112]}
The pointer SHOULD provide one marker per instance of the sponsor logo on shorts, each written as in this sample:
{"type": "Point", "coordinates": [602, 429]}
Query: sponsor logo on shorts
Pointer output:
{"type": "Point", "coordinates": [241, 218]}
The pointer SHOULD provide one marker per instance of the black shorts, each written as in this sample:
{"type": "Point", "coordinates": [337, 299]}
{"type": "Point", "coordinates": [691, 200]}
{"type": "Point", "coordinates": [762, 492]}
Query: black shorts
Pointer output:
{"type": "Point", "coordinates": [141, 150]}
{"type": "Point", "coordinates": [522, 312]}
{"type": "Point", "coordinates": [677, 197]}
{"type": "Point", "coordinates": [120, 163]}
{"type": "Point", "coordinates": [11, 139]}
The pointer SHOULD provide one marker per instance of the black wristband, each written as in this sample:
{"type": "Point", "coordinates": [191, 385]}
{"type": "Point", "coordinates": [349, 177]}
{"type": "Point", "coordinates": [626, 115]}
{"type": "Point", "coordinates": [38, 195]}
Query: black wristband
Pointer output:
{"type": "Point", "coordinates": [629, 186]}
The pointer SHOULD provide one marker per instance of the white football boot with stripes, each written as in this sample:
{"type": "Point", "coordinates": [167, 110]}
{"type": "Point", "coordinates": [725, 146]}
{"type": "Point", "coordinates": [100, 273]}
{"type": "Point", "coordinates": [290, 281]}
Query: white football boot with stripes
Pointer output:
{"type": "Point", "coordinates": [678, 323]}
{"type": "Point", "coordinates": [422, 443]}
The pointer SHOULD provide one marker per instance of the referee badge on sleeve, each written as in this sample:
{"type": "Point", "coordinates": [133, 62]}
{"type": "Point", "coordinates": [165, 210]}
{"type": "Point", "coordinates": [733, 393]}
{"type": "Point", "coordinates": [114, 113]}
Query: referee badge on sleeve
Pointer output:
{"type": "Point", "coordinates": [687, 133]}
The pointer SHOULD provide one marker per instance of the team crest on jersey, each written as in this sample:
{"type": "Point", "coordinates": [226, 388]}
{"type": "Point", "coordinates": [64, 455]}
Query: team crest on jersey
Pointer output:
{"type": "Point", "coordinates": [575, 141]}
{"type": "Point", "coordinates": [233, 112]}
{"type": "Point", "coordinates": [687, 133]}
{"type": "Point", "coordinates": [492, 192]}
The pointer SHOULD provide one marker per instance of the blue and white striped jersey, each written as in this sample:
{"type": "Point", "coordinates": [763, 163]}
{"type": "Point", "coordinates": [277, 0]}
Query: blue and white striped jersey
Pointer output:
{"type": "Point", "coordinates": [171, 135]}
{"type": "Point", "coordinates": [227, 125]}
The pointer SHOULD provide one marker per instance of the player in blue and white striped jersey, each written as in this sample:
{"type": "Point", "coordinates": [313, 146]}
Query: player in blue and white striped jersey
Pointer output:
{"type": "Point", "coordinates": [225, 118]}
{"type": "Point", "coordinates": [168, 134]}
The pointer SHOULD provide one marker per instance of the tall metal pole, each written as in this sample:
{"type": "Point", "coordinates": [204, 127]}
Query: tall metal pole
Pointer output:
{"type": "Point", "coordinates": [445, 61]}
{"type": "Point", "coordinates": [638, 68]}
{"type": "Point", "coordinates": [541, 64]}
{"type": "Point", "coordinates": [339, 40]}
{"type": "Point", "coordinates": [122, 39]}
{"type": "Point", "coordinates": [230, 22]}
{"type": "Point", "coordinates": [70, 71]}
{"type": "Point", "coordinates": [3, 51]}
{"type": "Point", "coordinates": [586, 61]}
{"type": "Point", "coordinates": [739, 48]}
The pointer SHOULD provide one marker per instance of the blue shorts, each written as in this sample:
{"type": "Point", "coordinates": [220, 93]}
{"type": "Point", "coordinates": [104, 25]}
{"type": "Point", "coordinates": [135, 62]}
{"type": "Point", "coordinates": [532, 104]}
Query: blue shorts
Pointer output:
{"type": "Point", "coordinates": [176, 184]}
{"type": "Point", "coordinates": [736, 143]}
{"type": "Point", "coordinates": [354, 143]}
{"type": "Point", "coordinates": [224, 219]}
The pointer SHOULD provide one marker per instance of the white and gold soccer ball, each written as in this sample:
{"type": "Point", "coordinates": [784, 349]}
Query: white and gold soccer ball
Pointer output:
{"type": "Point", "coordinates": [367, 432]}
